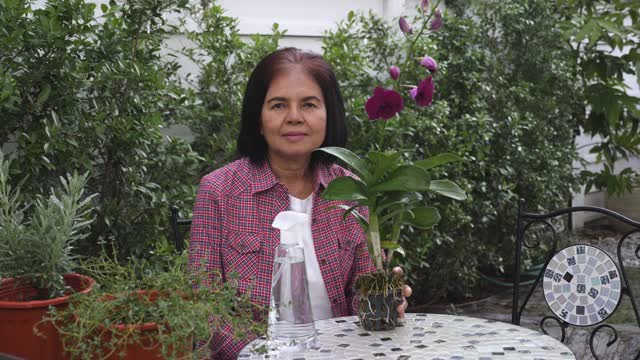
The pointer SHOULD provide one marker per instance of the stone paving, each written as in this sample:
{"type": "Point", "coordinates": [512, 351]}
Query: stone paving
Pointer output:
{"type": "Point", "coordinates": [498, 307]}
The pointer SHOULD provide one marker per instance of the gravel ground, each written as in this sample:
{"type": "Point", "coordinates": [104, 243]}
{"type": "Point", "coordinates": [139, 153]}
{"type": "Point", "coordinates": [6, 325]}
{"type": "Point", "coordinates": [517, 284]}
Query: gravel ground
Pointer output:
{"type": "Point", "coordinates": [498, 307]}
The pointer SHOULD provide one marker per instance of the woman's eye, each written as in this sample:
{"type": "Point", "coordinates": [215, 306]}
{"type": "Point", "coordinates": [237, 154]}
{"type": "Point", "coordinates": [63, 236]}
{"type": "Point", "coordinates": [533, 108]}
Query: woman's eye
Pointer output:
{"type": "Point", "coordinates": [310, 105]}
{"type": "Point", "coordinates": [277, 106]}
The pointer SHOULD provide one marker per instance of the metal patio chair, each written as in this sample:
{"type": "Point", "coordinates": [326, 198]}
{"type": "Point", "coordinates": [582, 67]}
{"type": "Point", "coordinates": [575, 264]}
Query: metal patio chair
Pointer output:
{"type": "Point", "coordinates": [582, 284]}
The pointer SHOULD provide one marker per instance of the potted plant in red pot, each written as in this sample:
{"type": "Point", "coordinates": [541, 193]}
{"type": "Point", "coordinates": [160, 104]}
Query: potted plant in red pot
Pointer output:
{"type": "Point", "coordinates": [151, 308]}
{"type": "Point", "coordinates": [37, 262]}
{"type": "Point", "coordinates": [394, 190]}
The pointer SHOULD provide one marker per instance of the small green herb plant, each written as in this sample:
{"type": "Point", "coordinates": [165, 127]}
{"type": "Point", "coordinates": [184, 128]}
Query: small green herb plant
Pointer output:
{"type": "Point", "coordinates": [37, 237]}
{"type": "Point", "coordinates": [158, 290]}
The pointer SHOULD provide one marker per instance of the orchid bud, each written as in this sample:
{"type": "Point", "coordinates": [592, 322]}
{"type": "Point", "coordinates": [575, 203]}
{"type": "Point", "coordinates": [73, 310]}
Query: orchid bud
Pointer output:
{"type": "Point", "coordinates": [404, 26]}
{"type": "Point", "coordinates": [438, 14]}
{"type": "Point", "coordinates": [424, 5]}
{"type": "Point", "coordinates": [394, 72]}
{"type": "Point", "coordinates": [435, 24]}
{"type": "Point", "coordinates": [413, 92]}
{"type": "Point", "coordinates": [429, 63]}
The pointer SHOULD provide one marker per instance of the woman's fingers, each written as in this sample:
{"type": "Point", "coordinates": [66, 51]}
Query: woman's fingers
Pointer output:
{"type": "Point", "coordinates": [402, 308]}
{"type": "Point", "coordinates": [407, 291]}
{"type": "Point", "coordinates": [398, 271]}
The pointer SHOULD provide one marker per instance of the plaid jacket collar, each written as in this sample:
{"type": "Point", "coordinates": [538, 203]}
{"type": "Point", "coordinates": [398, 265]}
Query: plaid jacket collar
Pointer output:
{"type": "Point", "coordinates": [263, 177]}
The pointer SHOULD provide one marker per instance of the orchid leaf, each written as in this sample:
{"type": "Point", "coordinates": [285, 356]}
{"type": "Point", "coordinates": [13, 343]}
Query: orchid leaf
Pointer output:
{"type": "Point", "coordinates": [346, 188]}
{"type": "Point", "coordinates": [390, 245]}
{"type": "Point", "coordinates": [398, 198]}
{"type": "Point", "coordinates": [382, 163]}
{"type": "Point", "coordinates": [423, 217]}
{"type": "Point", "coordinates": [438, 160]}
{"type": "Point", "coordinates": [447, 188]}
{"type": "Point", "coordinates": [353, 211]}
{"type": "Point", "coordinates": [404, 178]}
{"type": "Point", "coordinates": [358, 165]}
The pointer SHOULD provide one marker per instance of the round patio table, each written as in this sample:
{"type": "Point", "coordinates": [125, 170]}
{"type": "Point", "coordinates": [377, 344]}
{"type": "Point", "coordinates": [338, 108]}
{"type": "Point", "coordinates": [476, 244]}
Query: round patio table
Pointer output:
{"type": "Point", "coordinates": [422, 336]}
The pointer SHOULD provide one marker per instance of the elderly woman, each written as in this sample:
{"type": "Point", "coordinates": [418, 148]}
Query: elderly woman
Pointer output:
{"type": "Point", "coordinates": [292, 106]}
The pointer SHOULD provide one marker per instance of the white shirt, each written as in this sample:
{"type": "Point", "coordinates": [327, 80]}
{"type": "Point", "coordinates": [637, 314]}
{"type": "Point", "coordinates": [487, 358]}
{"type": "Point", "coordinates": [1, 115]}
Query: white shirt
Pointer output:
{"type": "Point", "coordinates": [320, 304]}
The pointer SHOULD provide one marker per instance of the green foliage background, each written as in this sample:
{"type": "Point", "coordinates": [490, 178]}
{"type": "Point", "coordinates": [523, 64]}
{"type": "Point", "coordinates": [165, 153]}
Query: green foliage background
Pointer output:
{"type": "Point", "coordinates": [82, 92]}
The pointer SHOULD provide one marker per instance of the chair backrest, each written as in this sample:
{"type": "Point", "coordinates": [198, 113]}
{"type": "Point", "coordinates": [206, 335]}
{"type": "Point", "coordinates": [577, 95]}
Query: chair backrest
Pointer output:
{"type": "Point", "coordinates": [176, 224]}
{"type": "Point", "coordinates": [582, 284]}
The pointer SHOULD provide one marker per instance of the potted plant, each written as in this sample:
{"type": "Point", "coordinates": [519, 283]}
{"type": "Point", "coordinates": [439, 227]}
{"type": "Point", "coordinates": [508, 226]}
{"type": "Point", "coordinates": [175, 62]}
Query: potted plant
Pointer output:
{"type": "Point", "coordinates": [391, 188]}
{"type": "Point", "coordinates": [37, 260]}
{"type": "Point", "coordinates": [151, 308]}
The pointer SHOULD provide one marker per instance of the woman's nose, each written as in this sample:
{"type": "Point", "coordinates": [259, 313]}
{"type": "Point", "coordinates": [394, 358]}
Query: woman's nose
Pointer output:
{"type": "Point", "coordinates": [294, 115]}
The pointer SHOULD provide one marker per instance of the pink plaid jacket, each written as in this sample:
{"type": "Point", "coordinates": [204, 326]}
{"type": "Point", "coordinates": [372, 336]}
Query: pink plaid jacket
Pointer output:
{"type": "Point", "coordinates": [232, 231]}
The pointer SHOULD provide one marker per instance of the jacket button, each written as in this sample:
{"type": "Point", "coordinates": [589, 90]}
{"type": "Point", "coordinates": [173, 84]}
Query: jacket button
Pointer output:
{"type": "Point", "coordinates": [323, 261]}
{"type": "Point", "coordinates": [334, 300]}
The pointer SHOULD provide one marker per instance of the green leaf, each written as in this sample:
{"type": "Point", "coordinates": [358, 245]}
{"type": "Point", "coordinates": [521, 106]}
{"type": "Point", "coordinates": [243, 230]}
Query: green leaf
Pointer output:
{"type": "Point", "coordinates": [447, 188]}
{"type": "Point", "coordinates": [390, 245]}
{"type": "Point", "coordinates": [104, 8]}
{"type": "Point", "coordinates": [610, 27]}
{"type": "Point", "coordinates": [423, 217]}
{"type": "Point", "coordinates": [398, 198]}
{"type": "Point", "coordinates": [353, 211]}
{"type": "Point", "coordinates": [381, 163]}
{"type": "Point", "coordinates": [613, 113]}
{"type": "Point", "coordinates": [43, 96]}
{"type": "Point", "coordinates": [405, 178]}
{"type": "Point", "coordinates": [586, 30]}
{"type": "Point", "coordinates": [358, 165]}
{"type": "Point", "coordinates": [438, 160]}
{"type": "Point", "coordinates": [345, 188]}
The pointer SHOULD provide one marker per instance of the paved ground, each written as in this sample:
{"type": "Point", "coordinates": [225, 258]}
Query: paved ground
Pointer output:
{"type": "Point", "coordinates": [498, 306]}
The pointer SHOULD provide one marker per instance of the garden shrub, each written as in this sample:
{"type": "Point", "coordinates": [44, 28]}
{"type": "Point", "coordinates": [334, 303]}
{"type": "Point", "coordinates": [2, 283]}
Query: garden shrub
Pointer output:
{"type": "Point", "coordinates": [505, 101]}
{"type": "Point", "coordinates": [88, 93]}
{"type": "Point", "coordinates": [224, 61]}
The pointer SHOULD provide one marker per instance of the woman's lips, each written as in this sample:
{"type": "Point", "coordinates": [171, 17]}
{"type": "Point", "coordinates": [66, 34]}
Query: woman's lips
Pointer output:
{"type": "Point", "coordinates": [294, 136]}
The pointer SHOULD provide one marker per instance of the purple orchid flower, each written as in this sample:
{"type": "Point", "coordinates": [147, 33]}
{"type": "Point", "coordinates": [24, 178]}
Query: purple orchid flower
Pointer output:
{"type": "Point", "coordinates": [429, 63]}
{"type": "Point", "coordinates": [424, 5]}
{"type": "Point", "coordinates": [423, 94]}
{"type": "Point", "coordinates": [404, 26]}
{"type": "Point", "coordinates": [436, 23]}
{"type": "Point", "coordinates": [384, 104]}
{"type": "Point", "coordinates": [394, 72]}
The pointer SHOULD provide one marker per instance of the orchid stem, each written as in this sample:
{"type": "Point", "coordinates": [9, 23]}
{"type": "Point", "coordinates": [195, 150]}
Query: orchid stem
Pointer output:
{"type": "Point", "coordinates": [415, 39]}
{"type": "Point", "coordinates": [374, 239]}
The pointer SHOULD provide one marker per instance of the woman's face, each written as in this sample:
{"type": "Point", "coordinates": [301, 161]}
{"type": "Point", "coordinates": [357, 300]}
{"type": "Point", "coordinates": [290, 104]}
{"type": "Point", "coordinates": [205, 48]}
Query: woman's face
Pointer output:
{"type": "Point", "coordinates": [294, 117]}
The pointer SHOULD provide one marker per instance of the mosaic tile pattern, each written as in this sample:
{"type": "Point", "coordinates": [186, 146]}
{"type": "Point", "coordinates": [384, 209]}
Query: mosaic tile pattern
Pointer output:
{"type": "Point", "coordinates": [582, 285]}
{"type": "Point", "coordinates": [424, 336]}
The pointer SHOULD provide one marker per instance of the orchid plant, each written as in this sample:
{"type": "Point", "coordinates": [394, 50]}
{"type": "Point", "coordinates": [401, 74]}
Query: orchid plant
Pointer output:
{"type": "Point", "coordinates": [390, 187]}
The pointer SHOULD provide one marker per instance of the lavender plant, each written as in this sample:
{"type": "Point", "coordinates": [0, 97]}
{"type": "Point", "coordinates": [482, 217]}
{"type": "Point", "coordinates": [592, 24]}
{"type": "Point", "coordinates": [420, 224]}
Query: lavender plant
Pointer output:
{"type": "Point", "coordinates": [37, 237]}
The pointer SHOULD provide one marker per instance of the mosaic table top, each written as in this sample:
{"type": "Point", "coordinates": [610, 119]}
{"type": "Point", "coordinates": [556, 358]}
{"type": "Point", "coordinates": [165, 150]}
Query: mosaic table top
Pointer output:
{"type": "Point", "coordinates": [424, 336]}
{"type": "Point", "coordinates": [582, 285]}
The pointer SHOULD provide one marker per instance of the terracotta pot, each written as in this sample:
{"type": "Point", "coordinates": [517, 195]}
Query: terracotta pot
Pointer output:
{"type": "Point", "coordinates": [19, 315]}
{"type": "Point", "coordinates": [378, 311]}
{"type": "Point", "coordinates": [146, 347]}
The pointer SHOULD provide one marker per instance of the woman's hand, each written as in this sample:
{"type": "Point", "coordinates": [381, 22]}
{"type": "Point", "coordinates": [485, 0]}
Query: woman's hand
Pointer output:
{"type": "Point", "coordinates": [406, 292]}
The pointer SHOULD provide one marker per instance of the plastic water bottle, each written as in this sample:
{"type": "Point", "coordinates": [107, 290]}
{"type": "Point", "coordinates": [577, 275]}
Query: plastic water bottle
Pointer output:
{"type": "Point", "coordinates": [291, 326]}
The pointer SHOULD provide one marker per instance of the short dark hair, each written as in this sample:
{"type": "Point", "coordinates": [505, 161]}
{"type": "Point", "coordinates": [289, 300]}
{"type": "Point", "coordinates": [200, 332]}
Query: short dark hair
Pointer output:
{"type": "Point", "coordinates": [251, 143]}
